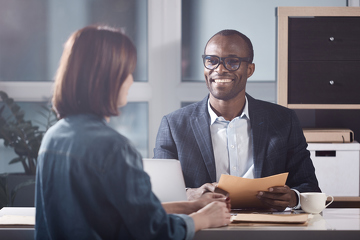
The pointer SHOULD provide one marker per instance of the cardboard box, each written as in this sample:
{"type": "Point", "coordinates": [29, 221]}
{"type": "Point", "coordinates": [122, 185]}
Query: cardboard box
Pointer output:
{"type": "Point", "coordinates": [327, 135]}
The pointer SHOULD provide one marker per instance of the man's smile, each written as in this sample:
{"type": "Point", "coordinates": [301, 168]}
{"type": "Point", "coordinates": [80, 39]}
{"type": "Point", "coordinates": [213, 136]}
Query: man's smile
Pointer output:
{"type": "Point", "coordinates": [224, 80]}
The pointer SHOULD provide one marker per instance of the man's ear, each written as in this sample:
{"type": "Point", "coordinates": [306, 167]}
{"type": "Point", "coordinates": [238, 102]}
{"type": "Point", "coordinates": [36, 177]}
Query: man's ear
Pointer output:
{"type": "Point", "coordinates": [250, 69]}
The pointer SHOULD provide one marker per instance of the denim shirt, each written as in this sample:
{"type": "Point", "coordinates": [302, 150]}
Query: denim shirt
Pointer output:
{"type": "Point", "coordinates": [90, 184]}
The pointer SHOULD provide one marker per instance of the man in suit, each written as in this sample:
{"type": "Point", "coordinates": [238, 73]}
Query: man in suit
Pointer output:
{"type": "Point", "coordinates": [229, 132]}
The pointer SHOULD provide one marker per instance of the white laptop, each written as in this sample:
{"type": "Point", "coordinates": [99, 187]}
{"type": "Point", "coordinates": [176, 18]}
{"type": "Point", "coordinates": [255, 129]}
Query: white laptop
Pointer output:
{"type": "Point", "coordinates": [167, 180]}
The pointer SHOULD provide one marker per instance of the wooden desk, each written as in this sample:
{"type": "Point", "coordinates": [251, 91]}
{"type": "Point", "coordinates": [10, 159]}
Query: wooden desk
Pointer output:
{"type": "Point", "coordinates": [334, 223]}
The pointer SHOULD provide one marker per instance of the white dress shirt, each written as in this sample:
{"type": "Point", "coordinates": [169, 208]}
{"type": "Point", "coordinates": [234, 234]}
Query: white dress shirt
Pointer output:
{"type": "Point", "coordinates": [232, 144]}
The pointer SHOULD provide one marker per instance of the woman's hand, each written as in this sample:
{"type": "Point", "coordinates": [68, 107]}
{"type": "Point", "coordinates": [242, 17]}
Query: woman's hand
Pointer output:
{"type": "Point", "coordinates": [188, 207]}
{"type": "Point", "coordinates": [215, 214]}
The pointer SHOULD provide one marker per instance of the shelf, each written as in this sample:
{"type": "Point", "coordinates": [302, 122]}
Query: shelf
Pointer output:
{"type": "Point", "coordinates": [286, 13]}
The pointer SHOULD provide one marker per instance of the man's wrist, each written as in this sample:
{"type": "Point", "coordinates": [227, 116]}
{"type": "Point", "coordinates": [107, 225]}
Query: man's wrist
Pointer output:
{"type": "Point", "coordinates": [193, 193]}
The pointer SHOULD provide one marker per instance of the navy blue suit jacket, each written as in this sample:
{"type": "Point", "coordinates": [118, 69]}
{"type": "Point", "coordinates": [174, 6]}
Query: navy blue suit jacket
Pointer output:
{"type": "Point", "coordinates": [279, 144]}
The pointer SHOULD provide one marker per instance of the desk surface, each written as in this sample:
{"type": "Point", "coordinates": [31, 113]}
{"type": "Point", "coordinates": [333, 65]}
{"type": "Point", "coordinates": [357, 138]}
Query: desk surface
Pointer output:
{"type": "Point", "coordinates": [333, 223]}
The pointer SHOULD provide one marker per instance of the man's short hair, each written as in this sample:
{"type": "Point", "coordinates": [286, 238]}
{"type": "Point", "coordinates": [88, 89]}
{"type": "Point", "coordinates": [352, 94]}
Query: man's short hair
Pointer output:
{"type": "Point", "coordinates": [229, 32]}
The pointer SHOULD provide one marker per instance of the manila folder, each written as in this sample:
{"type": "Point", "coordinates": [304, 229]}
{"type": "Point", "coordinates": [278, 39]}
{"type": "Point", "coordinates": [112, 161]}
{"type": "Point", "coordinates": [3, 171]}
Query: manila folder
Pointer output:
{"type": "Point", "coordinates": [243, 191]}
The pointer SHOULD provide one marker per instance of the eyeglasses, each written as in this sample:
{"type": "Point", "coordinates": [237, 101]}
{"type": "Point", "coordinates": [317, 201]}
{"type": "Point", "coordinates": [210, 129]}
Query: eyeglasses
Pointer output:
{"type": "Point", "coordinates": [230, 63]}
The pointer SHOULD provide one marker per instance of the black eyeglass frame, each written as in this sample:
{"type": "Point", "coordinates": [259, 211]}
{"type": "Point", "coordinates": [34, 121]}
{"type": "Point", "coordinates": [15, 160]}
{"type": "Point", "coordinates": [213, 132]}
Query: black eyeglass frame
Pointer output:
{"type": "Point", "coordinates": [222, 60]}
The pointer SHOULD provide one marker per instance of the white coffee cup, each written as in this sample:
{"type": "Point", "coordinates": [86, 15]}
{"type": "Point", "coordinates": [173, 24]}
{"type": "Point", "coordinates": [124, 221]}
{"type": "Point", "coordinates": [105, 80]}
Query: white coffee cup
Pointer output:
{"type": "Point", "coordinates": [314, 202]}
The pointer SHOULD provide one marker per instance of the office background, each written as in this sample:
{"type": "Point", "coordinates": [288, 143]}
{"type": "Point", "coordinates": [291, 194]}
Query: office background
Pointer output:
{"type": "Point", "coordinates": [170, 36]}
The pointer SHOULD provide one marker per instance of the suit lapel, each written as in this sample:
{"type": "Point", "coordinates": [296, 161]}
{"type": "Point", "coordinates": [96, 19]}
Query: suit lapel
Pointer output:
{"type": "Point", "coordinates": [258, 128]}
{"type": "Point", "coordinates": [200, 124]}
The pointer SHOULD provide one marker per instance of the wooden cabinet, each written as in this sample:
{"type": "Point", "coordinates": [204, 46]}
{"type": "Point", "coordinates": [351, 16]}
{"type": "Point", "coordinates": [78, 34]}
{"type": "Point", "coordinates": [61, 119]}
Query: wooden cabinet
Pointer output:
{"type": "Point", "coordinates": [319, 76]}
{"type": "Point", "coordinates": [319, 57]}
{"type": "Point", "coordinates": [324, 82]}
{"type": "Point", "coordinates": [324, 38]}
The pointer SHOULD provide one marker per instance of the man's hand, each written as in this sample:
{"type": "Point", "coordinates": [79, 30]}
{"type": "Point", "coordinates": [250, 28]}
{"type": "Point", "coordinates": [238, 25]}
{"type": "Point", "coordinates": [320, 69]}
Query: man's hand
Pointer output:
{"type": "Point", "coordinates": [195, 193]}
{"type": "Point", "coordinates": [278, 198]}
{"type": "Point", "coordinates": [209, 197]}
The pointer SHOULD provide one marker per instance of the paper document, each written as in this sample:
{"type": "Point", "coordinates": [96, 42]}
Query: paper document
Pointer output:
{"type": "Point", "coordinates": [17, 221]}
{"type": "Point", "coordinates": [243, 191]}
{"type": "Point", "coordinates": [270, 218]}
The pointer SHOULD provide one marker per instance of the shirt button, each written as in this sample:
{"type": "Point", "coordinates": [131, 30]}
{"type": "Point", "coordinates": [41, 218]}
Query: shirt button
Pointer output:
{"type": "Point", "coordinates": [232, 146]}
{"type": "Point", "coordinates": [234, 168]}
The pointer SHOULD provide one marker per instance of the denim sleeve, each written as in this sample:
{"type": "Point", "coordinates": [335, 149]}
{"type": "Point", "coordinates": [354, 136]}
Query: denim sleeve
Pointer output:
{"type": "Point", "coordinates": [128, 189]}
{"type": "Point", "coordinates": [190, 226]}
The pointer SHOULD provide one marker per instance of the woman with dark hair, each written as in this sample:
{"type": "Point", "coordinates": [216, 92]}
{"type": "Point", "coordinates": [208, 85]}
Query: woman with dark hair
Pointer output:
{"type": "Point", "coordinates": [90, 182]}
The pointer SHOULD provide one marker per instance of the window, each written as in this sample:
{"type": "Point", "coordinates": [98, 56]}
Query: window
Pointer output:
{"type": "Point", "coordinates": [32, 34]}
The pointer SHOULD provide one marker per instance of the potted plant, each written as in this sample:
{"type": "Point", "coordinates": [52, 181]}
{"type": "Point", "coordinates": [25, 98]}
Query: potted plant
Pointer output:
{"type": "Point", "coordinates": [25, 139]}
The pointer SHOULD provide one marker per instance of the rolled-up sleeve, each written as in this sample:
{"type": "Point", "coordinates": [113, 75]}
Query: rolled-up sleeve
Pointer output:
{"type": "Point", "coordinates": [190, 226]}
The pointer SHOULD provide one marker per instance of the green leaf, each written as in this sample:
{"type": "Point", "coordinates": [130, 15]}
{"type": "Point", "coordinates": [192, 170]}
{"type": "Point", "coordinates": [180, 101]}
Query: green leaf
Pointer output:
{"type": "Point", "coordinates": [15, 160]}
{"type": "Point", "coordinates": [29, 131]}
{"type": "Point", "coordinates": [20, 150]}
{"type": "Point", "coordinates": [30, 136]}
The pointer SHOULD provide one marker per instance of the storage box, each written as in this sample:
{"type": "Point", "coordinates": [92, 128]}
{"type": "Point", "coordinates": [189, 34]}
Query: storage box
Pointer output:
{"type": "Point", "coordinates": [328, 135]}
{"type": "Point", "coordinates": [337, 167]}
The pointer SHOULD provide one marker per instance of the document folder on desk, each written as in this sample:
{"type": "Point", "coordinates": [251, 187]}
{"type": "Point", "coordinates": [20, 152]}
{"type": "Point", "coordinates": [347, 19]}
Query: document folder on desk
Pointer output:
{"type": "Point", "coordinates": [270, 218]}
{"type": "Point", "coordinates": [243, 191]}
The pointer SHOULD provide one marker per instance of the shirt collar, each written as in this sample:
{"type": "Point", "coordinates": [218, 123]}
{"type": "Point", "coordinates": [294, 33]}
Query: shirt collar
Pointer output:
{"type": "Point", "coordinates": [213, 116]}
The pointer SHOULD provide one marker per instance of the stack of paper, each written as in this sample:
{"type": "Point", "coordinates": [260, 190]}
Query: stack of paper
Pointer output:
{"type": "Point", "coordinates": [18, 217]}
{"type": "Point", "coordinates": [270, 218]}
{"type": "Point", "coordinates": [17, 221]}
